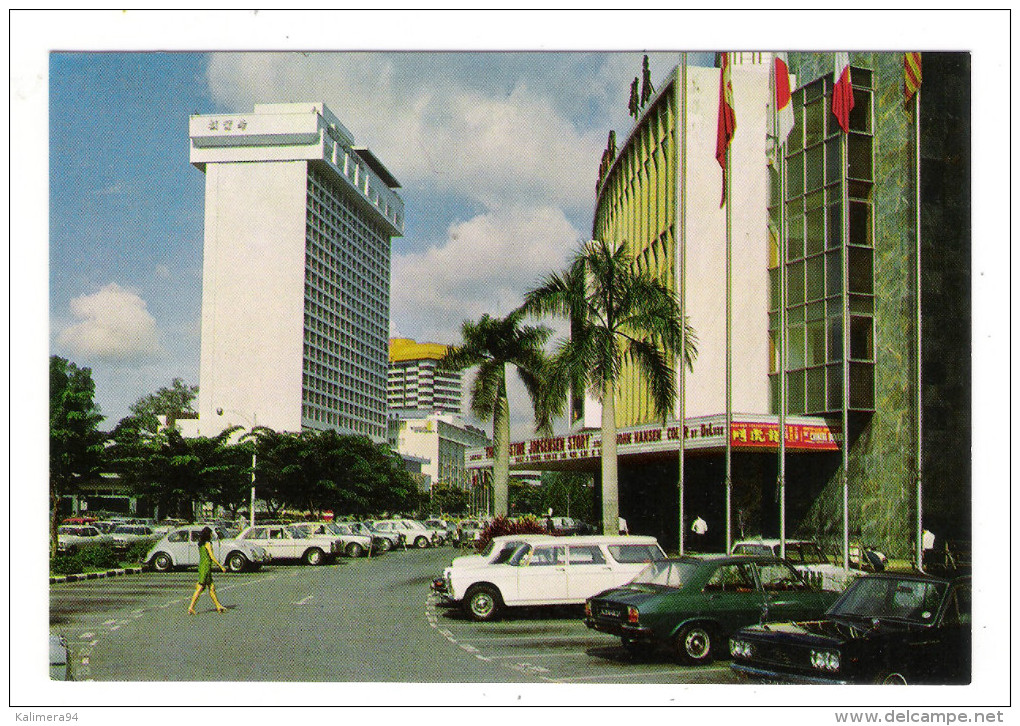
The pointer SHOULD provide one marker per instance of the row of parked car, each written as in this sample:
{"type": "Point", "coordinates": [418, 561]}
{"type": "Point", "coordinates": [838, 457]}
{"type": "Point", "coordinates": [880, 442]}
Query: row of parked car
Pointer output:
{"type": "Point", "coordinates": [778, 619]}
{"type": "Point", "coordinates": [314, 543]}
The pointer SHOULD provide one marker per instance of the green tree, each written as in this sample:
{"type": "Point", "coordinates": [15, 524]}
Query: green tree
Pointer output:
{"type": "Point", "coordinates": [525, 499]}
{"type": "Point", "coordinates": [76, 444]}
{"type": "Point", "coordinates": [617, 314]}
{"type": "Point", "coordinates": [448, 499]}
{"type": "Point", "coordinates": [568, 494]}
{"type": "Point", "coordinates": [169, 402]}
{"type": "Point", "coordinates": [492, 344]}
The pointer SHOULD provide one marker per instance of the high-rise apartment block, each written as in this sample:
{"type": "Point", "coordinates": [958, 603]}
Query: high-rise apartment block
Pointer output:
{"type": "Point", "coordinates": [296, 275]}
{"type": "Point", "coordinates": [415, 381]}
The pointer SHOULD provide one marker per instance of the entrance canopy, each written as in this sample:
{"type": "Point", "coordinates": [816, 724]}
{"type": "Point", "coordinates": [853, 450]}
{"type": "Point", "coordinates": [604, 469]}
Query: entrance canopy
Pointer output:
{"type": "Point", "coordinates": [748, 432]}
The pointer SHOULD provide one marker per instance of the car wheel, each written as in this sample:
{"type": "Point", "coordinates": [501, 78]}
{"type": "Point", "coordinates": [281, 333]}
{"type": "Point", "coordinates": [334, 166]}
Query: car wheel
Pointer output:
{"type": "Point", "coordinates": [237, 562]}
{"type": "Point", "coordinates": [354, 550]}
{"type": "Point", "coordinates": [421, 542]}
{"type": "Point", "coordinates": [482, 603]}
{"type": "Point", "coordinates": [162, 562]}
{"type": "Point", "coordinates": [891, 678]}
{"type": "Point", "coordinates": [385, 545]}
{"type": "Point", "coordinates": [694, 644]}
{"type": "Point", "coordinates": [315, 556]}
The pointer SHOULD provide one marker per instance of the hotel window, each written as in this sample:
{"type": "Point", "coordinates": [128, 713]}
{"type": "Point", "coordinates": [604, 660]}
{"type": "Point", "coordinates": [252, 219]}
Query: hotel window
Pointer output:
{"type": "Point", "coordinates": [814, 204]}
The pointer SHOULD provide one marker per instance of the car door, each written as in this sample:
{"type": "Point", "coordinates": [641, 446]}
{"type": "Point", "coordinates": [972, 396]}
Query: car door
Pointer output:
{"type": "Point", "coordinates": [283, 544]}
{"type": "Point", "coordinates": [732, 596]}
{"type": "Point", "coordinates": [787, 594]}
{"type": "Point", "coordinates": [939, 653]}
{"type": "Point", "coordinates": [190, 554]}
{"type": "Point", "coordinates": [258, 536]}
{"type": "Point", "coordinates": [543, 578]}
{"type": "Point", "coordinates": [588, 572]}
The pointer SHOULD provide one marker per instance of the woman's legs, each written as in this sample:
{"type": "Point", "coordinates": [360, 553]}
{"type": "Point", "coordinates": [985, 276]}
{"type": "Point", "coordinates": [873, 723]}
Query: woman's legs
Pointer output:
{"type": "Point", "coordinates": [212, 594]}
{"type": "Point", "coordinates": [194, 598]}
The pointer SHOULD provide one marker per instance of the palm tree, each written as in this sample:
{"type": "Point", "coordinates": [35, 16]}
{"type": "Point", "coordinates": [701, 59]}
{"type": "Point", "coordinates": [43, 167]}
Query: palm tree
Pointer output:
{"type": "Point", "coordinates": [492, 344]}
{"type": "Point", "coordinates": [616, 314]}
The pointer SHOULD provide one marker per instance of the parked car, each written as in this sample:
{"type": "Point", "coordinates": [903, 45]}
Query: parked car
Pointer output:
{"type": "Point", "coordinates": [447, 529]}
{"type": "Point", "coordinates": [469, 531]}
{"type": "Point", "coordinates": [179, 548]}
{"type": "Point", "coordinates": [886, 629]}
{"type": "Point", "coordinates": [553, 571]}
{"type": "Point", "coordinates": [381, 541]}
{"type": "Point", "coordinates": [125, 535]}
{"type": "Point", "coordinates": [283, 542]}
{"type": "Point", "coordinates": [690, 605]}
{"type": "Point", "coordinates": [806, 556]}
{"type": "Point", "coordinates": [71, 537]}
{"type": "Point", "coordinates": [351, 544]}
{"type": "Point", "coordinates": [497, 551]}
{"type": "Point", "coordinates": [414, 533]}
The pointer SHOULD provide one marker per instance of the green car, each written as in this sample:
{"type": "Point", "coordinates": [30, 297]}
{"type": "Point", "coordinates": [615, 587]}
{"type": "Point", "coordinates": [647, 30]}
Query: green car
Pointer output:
{"type": "Point", "coordinates": [691, 605]}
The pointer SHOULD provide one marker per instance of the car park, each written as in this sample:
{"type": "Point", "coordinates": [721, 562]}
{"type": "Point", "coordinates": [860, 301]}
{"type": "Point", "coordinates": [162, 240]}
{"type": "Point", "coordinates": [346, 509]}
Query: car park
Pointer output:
{"type": "Point", "coordinates": [554, 571]}
{"type": "Point", "coordinates": [382, 541]}
{"type": "Point", "coordinates": [497, 551]}
{"type": "Point", "coordinates": [447, 529]}
{"type": "Point", "coordinates": [179, 548]}
{"type": "Point", "coordinates": [469, 531]}
{"type": "Point", "coordinates": [885, 629]}
{"type": "Point", "coordinates": [125, 535]}
{"type": "Point", "coordinates": [72, 537]}
{"type": "Point", "coordinates": [283, 542]}
{"type": "Point", "coordinates": [352, 544]}
{"type": "Point", "coordinates": [690, 605]}
{"type": "Point", "coordinates": [806, 556]}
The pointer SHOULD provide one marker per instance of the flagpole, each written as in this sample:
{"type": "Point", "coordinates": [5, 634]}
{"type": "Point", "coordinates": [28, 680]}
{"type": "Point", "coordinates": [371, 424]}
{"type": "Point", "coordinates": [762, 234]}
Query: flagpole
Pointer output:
{"type": "Point", "coordinates": [845, 225]}
{"type": "Point", "coordinates": [917, 229]}
{"type": "Point", "coordinates": [783, 233]}
{"type": "Point", "coordinates": [729, 336]}
{"type": "Point", "coordinates": [681, 197]}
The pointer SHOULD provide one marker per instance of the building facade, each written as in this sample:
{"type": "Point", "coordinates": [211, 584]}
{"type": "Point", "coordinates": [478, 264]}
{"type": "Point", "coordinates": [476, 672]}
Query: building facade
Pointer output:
{"type": "Point", "coordinates": [442, 440]}
{"type": "Point", "coordinates": [415, 382]}
{"type": "Point", "coordinates": [858, 297]}
{"type": "Point", "coordinates": [296, 272]}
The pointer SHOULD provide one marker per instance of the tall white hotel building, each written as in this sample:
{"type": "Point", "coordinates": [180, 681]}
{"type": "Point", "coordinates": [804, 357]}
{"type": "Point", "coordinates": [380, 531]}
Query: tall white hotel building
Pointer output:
{"type": "Point", "coordinates": [296, 275]}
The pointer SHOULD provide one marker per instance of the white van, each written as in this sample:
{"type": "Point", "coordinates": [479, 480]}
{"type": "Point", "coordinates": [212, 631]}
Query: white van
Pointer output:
{"type": "Point", "coordinates": [553, 571]}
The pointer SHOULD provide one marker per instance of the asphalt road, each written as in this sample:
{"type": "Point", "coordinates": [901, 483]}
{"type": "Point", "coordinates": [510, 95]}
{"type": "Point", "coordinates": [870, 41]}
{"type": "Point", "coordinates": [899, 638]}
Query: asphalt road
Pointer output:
{"type": "Point", "coordinates": [365, 620]}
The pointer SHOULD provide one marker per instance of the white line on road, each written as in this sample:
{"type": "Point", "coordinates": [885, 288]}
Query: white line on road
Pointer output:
{"type": "Point", "coordinates": [304, 601]}
{"type": "Point", "coordinates": [521, 638]}
{"type": "Point", "coordinates": [540, 655]}
{"type": "Point", "coordinates": [468, 648]}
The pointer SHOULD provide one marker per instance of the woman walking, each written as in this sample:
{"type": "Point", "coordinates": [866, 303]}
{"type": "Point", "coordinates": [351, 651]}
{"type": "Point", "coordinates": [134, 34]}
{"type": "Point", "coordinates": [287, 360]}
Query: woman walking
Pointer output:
{"type": "Point", "coordinates": [206, 560]}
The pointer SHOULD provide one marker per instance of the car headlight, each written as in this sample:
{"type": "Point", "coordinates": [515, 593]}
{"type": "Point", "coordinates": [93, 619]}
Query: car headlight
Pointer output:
{"type": "Point", "coordinates": [826, 660]}
{"type": "Point", "coordinates": [740, 648]}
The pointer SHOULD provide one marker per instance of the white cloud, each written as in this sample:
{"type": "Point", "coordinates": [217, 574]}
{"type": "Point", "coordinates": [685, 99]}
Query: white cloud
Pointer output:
{"type": "Point", "coordinates": [490, 141]}
{"type": "Point", "coordinates": [485, 266]}
{"type": "Point", "coordinates": [113, 324]}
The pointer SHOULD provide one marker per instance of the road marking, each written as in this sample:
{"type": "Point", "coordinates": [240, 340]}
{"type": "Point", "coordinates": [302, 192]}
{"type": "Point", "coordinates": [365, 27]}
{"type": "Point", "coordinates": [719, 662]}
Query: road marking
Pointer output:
{"type": "Point", "coordinates": [468, 648]}
{"type": "Point", "coordinates": [447, 633]}
{"type": "Point", "coordinates": [109, 622]}
{"type": "Point", "coordinates": [304, 601]}
{"type": "Point", "coordinates": [540, 655]}
{"type": "Point", "coordinates": [87, 636]}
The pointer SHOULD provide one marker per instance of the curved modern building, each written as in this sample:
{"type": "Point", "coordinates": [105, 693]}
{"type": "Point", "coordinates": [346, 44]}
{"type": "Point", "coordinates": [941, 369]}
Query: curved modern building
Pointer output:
{"type": "Point", "coordinates": [864, 277]}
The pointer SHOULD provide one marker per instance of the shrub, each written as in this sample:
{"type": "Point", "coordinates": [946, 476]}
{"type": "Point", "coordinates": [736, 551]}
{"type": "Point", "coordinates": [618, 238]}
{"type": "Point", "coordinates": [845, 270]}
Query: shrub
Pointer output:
{"type": "Point", "coordinates": [66, 564]}
{"type": "Point", "coordinates": [99, 557]}
{"type": "Point", "coordinates": [136, 552]}
{"type": "Point", "coordinates": [501, 526]}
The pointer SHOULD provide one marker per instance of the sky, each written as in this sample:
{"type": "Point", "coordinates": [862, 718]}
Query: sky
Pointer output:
{"type": "Point", "coordinates": [496, 154]}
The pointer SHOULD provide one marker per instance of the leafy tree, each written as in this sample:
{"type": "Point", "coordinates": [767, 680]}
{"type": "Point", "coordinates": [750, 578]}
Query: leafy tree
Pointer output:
{"type": "Point", "coordinates": [568, 494]}
{"type": "Point", "coordinates": [525, 498]}
{"type": "Point", "coordinates": [76, 444]}
{"type": "Point", "coordinates": [169, 402]}
{"type": "Point", "coordinates": [492, 344]}
{"type": "Point", "coordinates": [448, 499]}
{"type": "Point", "coordinates": [617, 314]}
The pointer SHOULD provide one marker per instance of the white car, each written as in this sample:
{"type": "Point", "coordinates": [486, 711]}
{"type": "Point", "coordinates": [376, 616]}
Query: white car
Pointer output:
{"type": "Point", "coordinates": [282, 542]}
{"type": "Point", "coordinates": [498, 550]}
{"type": "Point", "coordinates": [352, 544]}
{"type": "Point", "coordinates": [70, 537]}
{"type": "Point", "coordinates": [806, 557]}
{"type": "Point", "coordinates": [552, 571]}
{"type": "Point", "coordinates": [179, 548]}
{"type": "Point", "coordinates": [415, 533]}
{"type": "Point", "coordinates": [125, 535]}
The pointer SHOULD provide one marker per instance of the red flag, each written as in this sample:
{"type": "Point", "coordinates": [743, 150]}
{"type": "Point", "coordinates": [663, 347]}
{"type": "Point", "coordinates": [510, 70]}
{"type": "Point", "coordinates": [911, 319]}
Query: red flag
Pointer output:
{"type": "Point", "coordinates": [843, 92]}
{"type": "Point", "coordinates": [781, 97]}
{"type": "Point", "coordinates": [911, 75]}
{"type": "Point", "coordinates": [727, 119]}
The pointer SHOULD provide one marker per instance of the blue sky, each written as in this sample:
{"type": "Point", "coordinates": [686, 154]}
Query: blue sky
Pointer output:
{"type": "Point", "coordinates": [496, 152]}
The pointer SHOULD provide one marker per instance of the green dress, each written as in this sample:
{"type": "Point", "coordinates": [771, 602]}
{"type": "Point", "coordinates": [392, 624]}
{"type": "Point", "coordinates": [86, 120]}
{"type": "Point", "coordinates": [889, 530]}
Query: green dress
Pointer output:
{"type": "Point", "coordinates": [204, 566]}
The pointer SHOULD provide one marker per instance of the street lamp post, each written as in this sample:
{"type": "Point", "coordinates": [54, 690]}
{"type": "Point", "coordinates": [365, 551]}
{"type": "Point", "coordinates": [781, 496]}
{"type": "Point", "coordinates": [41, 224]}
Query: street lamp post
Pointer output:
{"type": "Point", "coordinates": [254, 460]}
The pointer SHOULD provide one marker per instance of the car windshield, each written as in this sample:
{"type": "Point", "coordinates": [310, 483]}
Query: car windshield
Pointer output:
{"type": "Point", "coordinates": [297, 533]}
{"type": "Point", "coordinates": [886, 597]}
{"type": "Point", "coordinates": [666, 573]}
{"type": "Point", "coordinates": [506, 553]}
{"type": "Point", "coordinates": [519, 555]}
